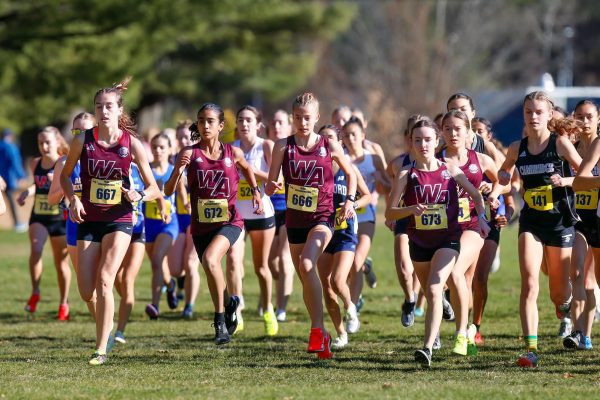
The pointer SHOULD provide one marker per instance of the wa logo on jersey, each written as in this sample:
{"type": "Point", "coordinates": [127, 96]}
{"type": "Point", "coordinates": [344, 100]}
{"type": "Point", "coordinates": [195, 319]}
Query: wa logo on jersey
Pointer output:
{"type": "Point", "coordinates": [123, 152]}
{"type": "Point", "coordinates": [473, 169]}
{"type": "Point", "coordinates": [431, 194]}
{"type": "Point", "coordinates": [104, 169]}
{"type": "Point", "coordinates": [307, 171]}
{"type": "Point", "coordinates": [214, 180]}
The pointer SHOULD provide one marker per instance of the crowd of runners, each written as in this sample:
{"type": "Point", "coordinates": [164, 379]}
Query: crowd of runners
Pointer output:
{"type": "Point", "coordinates": [304, 193]}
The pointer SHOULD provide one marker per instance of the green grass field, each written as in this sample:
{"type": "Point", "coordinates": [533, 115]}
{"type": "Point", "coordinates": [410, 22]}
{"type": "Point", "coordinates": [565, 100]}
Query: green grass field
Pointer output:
{"type": "Point", "coordinates": [173, 358]}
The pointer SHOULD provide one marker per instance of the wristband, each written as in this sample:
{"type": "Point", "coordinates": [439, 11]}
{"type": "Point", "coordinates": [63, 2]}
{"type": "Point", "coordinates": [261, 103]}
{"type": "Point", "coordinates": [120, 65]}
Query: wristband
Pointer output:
{"type": "Point", "coordinates": [351, 197]}
{"type": "Point", "coordinates": [141, 192]}
{"type": "Point", "coordinates": [255, 189]}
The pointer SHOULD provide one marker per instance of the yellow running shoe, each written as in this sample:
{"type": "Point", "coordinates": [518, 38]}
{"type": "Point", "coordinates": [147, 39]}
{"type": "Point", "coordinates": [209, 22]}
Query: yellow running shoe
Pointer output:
{"type": "Point", "coordinates": [271, 325]}
{"type": "Point", "coordinates": [240, 324]}
{"type": "Point", "coordinates": [460, 345]}
{"type": "Point", "coordinates": [98, 358]}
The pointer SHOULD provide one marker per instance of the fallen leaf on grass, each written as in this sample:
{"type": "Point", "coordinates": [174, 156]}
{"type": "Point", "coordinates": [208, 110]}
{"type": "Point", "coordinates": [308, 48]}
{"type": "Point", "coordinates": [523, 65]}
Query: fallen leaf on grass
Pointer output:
{"type": "Point", "coordinates": [387, 385]}
{"type": "Point", "coordinates": [567, 375]}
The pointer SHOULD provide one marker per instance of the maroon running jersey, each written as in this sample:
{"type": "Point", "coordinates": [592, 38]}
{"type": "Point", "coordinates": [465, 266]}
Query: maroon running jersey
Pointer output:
{"type": "Point", "coordinates": [104, 171]}
{"type": "Point", "coordinates": [439, 223]}
{"type": "Point", "coordinates": [467, 213]}
{"type": "Point", "coordinates": [308, 184]}
{"type": "Point", "coordinates": [213, 190]}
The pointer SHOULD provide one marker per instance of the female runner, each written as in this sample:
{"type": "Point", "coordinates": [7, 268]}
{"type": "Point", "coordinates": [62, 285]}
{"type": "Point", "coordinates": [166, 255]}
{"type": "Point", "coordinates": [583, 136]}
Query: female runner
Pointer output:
{"type": "Point", "coordinates": [216, 223]}
{"type": "Point", "coordinates": [305, 159]}
{"type": "Point", "coordinates": [429, 190]}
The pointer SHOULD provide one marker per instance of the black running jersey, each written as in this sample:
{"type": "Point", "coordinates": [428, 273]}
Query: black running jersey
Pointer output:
{"type": "Point", "coordinates": [545, 206]}
{"type": "Point", "coordinates": [478, 144]}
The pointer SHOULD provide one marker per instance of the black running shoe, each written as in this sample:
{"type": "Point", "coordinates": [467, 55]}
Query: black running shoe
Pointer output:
{"type": "Point", "coordinates": [231, 320]}
{"type": "Point", "coordinates": [221, 334]}
{"type": "Point", "coordinates": [408, 313]}
{"type": "Point", "coordinates": [172, 299]}
{"type": "Point", "coordinates": [423, 357]}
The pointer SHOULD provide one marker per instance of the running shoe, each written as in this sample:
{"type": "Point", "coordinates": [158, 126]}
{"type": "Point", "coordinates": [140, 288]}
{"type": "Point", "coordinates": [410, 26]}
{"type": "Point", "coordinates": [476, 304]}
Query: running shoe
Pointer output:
{"type": "Point", "coordinates": [351, 319]}
{"type": "Point", "coordinates": [316, 340]}
{"type": "Point", "coordinates": [573, 340]}
{"type": "Point", "coordinates": [460, 345]}
{"type": "Point", "coordinates": [98, 358]}
{"type": "Point", "coordinates": [471, 346]}
{"type": "Point", "coordinates": [423, 357]}
{"type": "Point", "coordinates": [419, 312]}
{"type": "Point", "coordinates": [565, 328]}
{"type": "Point", "coordinates": [340, 342]}
{"type": "Point", "coordinates": [240, 324]}
{"type": "Point", "coordinates": [586, 344]}
{"type": "Point", "coordinates": [172, 299]}
{"type": "Point", "coordinates": [326, 354]}
{"type": "Point", "coordinates": [271, 325]}
{"type": "Point", "coordinates": [63, 312]}
{"type": "Point", "coordinates": [187, 312]}
{"type": "Point", "coordinates": [528, 360]}
{"type": "Point", "coordinates": [231, 318]}
{"type": "Point", "coordinates": [32, 303]}
{"type": "Point", "coordinates": [408, 313]}
{"type": "Point", "coordinates": [478, 339]}
{"type": "Point", "coordinates": [562, 310]}
{"type": "Point", "coordinates": [120, 337]}
{"type": "Point", "coordinates": [369, 273]}
{"type": "Point", "coordinates": [437, 343]}
{"type": "Point", "coordinates": [360, 303]}
{"type": "Point", "coordinates": [447, 311]}
{"type": "Point", "coordinates": [281, 315]}
{"type": "Point", "coordinates": [221, 333]}
{"type": "Point", "coordinates": [152, 311]}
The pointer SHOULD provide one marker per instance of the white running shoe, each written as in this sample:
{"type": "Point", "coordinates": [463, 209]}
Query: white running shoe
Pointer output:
{"type": "Point", "coordinates": [352, 322]}
{"type": "Point", "coordinates": [281, 315]}
{"type": "Point", "coordinates": [565, 329]}
{"type": "Point", "coordinates": [340, 342]}
{"type": "Point", "coordinates": [119, 337]}
{"type": "Point", "coordinates": [496, 263]}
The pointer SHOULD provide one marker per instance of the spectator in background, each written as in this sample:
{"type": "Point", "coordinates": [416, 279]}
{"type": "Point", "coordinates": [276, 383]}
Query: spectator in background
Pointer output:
{"type": "Point", "coordinates": [2, 204]}
{"type": "Point", "coordinates": [11, 170]}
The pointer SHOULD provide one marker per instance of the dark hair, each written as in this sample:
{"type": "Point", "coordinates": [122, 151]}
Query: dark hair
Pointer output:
{"type": "Point", "coordinates": [588, 102]}
{"type": "Point", "coordinates": [356, 121]}
{"type": "Point", "coordinates": [254, 110]}
{"type": "Point", "coordinates": [161, 135]}
{"type": "Point", "coordinates": [426, 123]}
{"type": "Point", "coordinates": [341, 108]}
{"type": "Point", "coordinates": [485, 121]}
{"type": "Point", "coordinates": [457, 114]}
{"type": "Point", "coordinates": [460, 96]}
{"type": "Point", "coordinates": [560, 110]}
{"type": "Point", "coordinates": [84, 115]}
{"type": "Point", "coordinates": [126, 122]}
{"type": "Point", "coordinates": [332, 127]}
{"type": "Point", "coordinates": [194, 132]}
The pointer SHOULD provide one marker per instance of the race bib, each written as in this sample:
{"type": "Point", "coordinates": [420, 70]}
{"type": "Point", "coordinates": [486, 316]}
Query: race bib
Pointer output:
{"type": "Point", "coordinates": [539, 198]}
{"type": "Point", "coordinates": [464, 212]}
{"type": "Point", "coordinates": [586, 199]}
{"type": "Point", "coordinates": [42, 207]}
{"type": "Point", "coordinates": [210, 211]}
{"type": "Point", "coordinates": [302, 198]}
{"type": "Point", "coordinates": [434, 217]}
{"type": "Point", "coordinates": [105, 191]}
{"type": "Point", "coordinates": [181, 210]}
{"type": "Point", "coordinates": [339, 225]}
{"type": "Point", "coordinates": [152, 211]}
{"type": "Point", "coordinates": [244, 191]}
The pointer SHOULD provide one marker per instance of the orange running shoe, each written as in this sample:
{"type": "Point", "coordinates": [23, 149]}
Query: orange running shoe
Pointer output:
{"type": "Point", "coordinates": [63, 312]}
{"type": "Point", "coordinates": [326, 354]}
{"type": "Point", "coordinates": [32, 303]}
{"type": "Point", "coordinates": [478, 339]}
{"type": "Point", "coordinates": [316, 340]}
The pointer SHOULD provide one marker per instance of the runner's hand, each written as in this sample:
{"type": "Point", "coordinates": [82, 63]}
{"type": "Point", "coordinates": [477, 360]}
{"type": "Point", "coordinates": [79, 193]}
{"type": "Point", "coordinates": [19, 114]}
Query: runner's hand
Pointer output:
{"type": "Point", "coordinates": [76, 210]}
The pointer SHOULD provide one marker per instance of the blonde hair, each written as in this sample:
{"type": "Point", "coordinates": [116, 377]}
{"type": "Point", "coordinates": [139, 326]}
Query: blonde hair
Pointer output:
{"type": "Point", "coordinates": [539, 96]}
{"type": "Point", "coordinates": [304, 100]}
{"type": "Point", "coordinates": [61, 143]}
